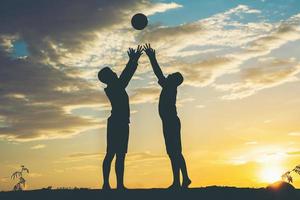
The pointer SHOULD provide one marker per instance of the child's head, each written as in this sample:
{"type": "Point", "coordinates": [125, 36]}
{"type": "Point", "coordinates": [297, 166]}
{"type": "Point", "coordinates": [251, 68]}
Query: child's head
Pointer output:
{"type": "Point", "coordinates": [175, 78]}
{"type": "Point", "coordinates": [106, 75]}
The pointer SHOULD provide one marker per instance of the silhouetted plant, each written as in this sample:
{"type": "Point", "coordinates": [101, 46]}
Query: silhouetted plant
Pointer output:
{"type": "Point", "coordinates": [19, 174]}
{"type": "Point", "coordinates": [287, 175]}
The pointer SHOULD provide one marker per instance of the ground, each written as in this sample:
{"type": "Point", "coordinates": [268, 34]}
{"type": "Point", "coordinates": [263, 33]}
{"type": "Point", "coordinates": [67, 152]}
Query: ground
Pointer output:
{"type": "Point", "coordinates": [209, 193]}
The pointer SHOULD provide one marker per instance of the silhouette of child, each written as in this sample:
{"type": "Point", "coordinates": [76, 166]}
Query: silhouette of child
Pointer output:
{"type": "Point", "coordinates": [170, 121]}
{"type": "Point", "coordinates": [118, 122]}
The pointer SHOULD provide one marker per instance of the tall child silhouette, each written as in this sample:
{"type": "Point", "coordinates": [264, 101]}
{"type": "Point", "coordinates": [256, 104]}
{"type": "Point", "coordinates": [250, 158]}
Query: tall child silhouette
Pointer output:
{"type": "Point", "coordinates": [170, 121]}
{"type": "Point", "coordinates": [118, 122]}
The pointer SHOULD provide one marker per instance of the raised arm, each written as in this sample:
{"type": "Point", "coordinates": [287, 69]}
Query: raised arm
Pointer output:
{"type": "Point", "coordinates": [155, 66]}
{"type": "Point", "coordinates": [131, 66]}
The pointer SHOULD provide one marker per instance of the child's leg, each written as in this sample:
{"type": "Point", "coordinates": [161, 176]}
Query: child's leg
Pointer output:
{"type": "Point", "coordinates": [170, 128]}
{"type": "Point", "coordinates": [175, 170]}
{"type": "Point", "coordinates": [186, 180]}
{"type": "Point", "coordinates": [183, 167]}
{"type": "Point", "coordinates": [120, 170]}
{"type": "Point", "coordinates": [106, 169]}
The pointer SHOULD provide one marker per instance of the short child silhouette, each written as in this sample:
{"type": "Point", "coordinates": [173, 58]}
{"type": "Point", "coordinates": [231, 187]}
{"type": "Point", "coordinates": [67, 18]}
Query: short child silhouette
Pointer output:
{"type": "Point", "coordinates": [118, 122]}
{"type": "Point", "coordinates": [170, 121]}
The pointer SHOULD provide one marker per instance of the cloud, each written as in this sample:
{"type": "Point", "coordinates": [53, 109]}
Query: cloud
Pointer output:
{"type": "Point", "coordinates": [266, 74]}
{"type": "Point", "coordinates": [143, 157]}
{"type": "Point", "coordinates": [286, 31]}
{"type": "Point", "coordinates": [251, 143]}
{"type": "Point", "coordinates": [259, 155]}
{"type": "Point", "coordinates": [133, 160]}
{"type": "Point", "coordinates": [168, 34]}
{"type": "Point", "coordinates": [34, 175]}
{"type": "Point", "coordinates": [39, 92]}
{"type": "Point", "coordinates": [204, 72]}
{"type": "Point", "coordinates": [31, 106]}
{"type": "Point", "coordinates": [244, 9]}
{"type": "Point", "coordinates": [293, 153]}
{"type": "Point", "coordinates": [294, 134]}
{"type": "Point", "coordinates": [130, 158]}
{"type": "Point", "coordinates": [5, 179]}
{"type": "Point", "coordinates": [152, 9]}
{"type": "Point", "coordinates": [83, 167]}
{"type": "Point", "coordinates": [148, 94]}
{"type": "Point", "coordinates": [62, 21]}
{"type": "Point", "coordinates": [38, 146]}
{"type": "Point", "coordinates": [6, 41]}
{"type": "Point", "coordinates": [75, 30]}
{"type": "Point", "coordinates": [181, 102]}
{"type": "Point", "coordinates": [200, 106]}
{"type": "Point", "coordinates": [32, 109]}
{"type": "Point", "coordinates": [84, 155]}
{"type": "Point", "coordinates": [196, 30]}
{"type": "Point", "coordinates": [221, 44]}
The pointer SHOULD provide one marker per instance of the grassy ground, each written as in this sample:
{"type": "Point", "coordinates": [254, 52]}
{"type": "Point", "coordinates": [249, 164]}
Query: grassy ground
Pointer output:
{"type": "Point", "coordinates": [209, 193]}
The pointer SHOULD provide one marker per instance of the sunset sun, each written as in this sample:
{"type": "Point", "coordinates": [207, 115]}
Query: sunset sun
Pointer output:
{"type": "Point", "coordinates": [271, 174]}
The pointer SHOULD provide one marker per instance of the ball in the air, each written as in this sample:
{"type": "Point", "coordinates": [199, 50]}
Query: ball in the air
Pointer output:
{"type": "Point", "coordinates": [139, 21]}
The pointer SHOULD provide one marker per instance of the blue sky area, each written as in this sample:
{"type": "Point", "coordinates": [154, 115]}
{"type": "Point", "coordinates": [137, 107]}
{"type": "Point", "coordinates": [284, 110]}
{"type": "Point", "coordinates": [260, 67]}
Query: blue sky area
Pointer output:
{"type": "Point", "coordinates": [19, 49]}
{"type": "Point", "coordinates": [193, 10]}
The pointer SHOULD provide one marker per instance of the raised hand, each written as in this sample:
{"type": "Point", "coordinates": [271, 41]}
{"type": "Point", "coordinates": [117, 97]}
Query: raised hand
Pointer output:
{"type": "Point", "coordinates": [131, 66]}
{"type": "Point", "coordinates": [131, 53]}
{"type": "Point", "coordinates": [139, 52]}
{"type": "Point", "coordinates": [149, 51]}
{"type": "Point", "coordinates": [156, 68]}
{"type": "Point", "coordinates": [134, 55]}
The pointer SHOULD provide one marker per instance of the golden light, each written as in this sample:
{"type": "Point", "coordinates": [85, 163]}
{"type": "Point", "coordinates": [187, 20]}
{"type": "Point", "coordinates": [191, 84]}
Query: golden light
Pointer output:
{"type": "Point", "coordinates": [271, 174]}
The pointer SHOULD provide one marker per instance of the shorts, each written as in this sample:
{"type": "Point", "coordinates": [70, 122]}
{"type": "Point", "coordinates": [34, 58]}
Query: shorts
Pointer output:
{"type": "Point", "coordinates": [171, 130]}
{"type": "Point", "coordinates": [117, 136]}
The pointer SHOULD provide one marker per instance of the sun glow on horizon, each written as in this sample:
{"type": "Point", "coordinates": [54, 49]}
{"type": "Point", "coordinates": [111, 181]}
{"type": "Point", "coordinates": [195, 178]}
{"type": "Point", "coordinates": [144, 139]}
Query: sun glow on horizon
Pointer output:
{"type": "Point", "coordinates": [271, 174]}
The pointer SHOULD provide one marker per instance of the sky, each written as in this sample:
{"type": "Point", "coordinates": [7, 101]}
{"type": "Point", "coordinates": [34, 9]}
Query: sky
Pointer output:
{"type": "Point", "coordinates": [238, 104]}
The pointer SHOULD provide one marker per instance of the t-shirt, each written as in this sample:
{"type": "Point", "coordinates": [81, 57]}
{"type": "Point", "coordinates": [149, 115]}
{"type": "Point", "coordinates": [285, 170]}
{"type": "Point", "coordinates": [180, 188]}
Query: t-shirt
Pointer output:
{"type": "Point", "coordinates": [119, 101]}
{"type": "Point", "coordinates": [167, 99]}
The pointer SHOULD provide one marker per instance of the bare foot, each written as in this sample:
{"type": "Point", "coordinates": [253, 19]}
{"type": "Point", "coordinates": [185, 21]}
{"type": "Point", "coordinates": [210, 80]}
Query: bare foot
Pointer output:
{"type": "Point", "coordinates": [106, 187]}
{"type": "Point", "coordinates": [174, 187]}
{"type": "Point", "coordinates": [186, 183]}
{"type": "Point", "coordinates": [121, 187]}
